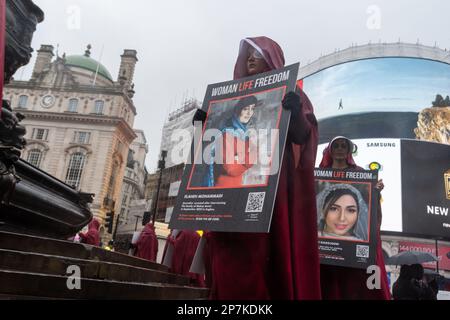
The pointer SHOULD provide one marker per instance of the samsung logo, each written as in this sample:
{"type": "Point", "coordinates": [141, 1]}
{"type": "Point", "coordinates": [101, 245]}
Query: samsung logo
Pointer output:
{"type": "Point", "coordinates": [381, 144]}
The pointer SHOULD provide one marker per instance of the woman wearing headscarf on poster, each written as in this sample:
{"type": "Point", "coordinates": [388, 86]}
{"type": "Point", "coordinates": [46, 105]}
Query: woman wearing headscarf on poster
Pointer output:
{"type": "Point", "coordinates": [341, 283]}
{"type": "Point", "coordinates": [282, 264]}
{"type": "Point", "coordinates": [342, 213]}
{"type": "Point", "coordinates": [238, 153]}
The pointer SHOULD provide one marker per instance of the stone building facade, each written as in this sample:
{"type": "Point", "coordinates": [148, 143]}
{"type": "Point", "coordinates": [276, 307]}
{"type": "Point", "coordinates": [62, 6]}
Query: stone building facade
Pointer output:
{"type": "Point", "coordinates": [180, 119]}
{"type": "Point", "coordinates": [133, 187]}
{"type": "Point", "coordinates": [79, 122]}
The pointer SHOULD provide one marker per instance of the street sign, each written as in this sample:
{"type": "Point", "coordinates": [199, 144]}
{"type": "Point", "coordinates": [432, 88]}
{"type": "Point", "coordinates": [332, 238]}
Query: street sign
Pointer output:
{"type": "Point", "coordinates": [137, 207]}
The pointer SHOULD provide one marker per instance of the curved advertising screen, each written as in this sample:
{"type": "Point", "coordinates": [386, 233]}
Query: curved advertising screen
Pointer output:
{"type": "Point", "coordinates": [397, 111]}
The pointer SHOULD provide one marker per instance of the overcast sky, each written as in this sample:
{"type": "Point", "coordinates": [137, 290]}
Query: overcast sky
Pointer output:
{"type": "Point", "coordinates": [183, 45]}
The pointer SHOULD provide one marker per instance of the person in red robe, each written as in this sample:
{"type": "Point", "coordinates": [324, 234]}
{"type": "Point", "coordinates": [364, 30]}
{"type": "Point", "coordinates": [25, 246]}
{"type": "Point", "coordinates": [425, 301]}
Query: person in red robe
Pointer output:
{"type": "Point", "coordinates": [282, 264]}
{"type": "Point", "coordinates": [91, 237]}
{"type": "Point", "coordinates": [343, 283]}
{"type": "Point", "coordinates": [147, 244]}
{"type": "Point", "coordinates": [184, 244]}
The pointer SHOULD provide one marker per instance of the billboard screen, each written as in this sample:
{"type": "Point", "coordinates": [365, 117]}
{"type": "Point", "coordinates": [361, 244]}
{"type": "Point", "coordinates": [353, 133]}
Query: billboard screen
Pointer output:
{"type": "Point", "coordinates": [397, 111]}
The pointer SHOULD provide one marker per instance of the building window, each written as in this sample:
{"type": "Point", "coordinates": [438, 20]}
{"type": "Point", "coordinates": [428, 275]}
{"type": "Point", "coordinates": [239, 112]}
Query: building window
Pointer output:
{"type": "Point", "coordinates": [99, 106]}
{"type": "Point", "coordinates": [75, 170]}
{"type": "Point", "coordinates": [35, 157]}
{"type": "Point", "coordinates": [73, 105]}
{"type": "Point", "coordinates": [39, 134]}
{"type": "Point", "coordinates": [23, 100]}
{"type": "Point", "coordinates": [82, 137]}
{"type": "Point", "coordinates": [130, 160]}
{"type": "Point", "coordinates": [123, 218]}
{"type": "Point", "coordinates": [128, 173]}
{"type": "Point", "coordinates": [124, 200]}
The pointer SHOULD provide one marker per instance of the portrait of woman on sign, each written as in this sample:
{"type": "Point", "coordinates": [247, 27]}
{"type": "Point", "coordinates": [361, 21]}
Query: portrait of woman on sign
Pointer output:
{"type": "Point", "coordinates": [342, 213]}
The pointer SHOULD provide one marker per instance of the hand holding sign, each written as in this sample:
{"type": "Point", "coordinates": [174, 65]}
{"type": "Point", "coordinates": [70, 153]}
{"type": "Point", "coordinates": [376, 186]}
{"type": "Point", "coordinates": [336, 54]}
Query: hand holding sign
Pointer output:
{"type": "Point", "coordinates": [292, 102]}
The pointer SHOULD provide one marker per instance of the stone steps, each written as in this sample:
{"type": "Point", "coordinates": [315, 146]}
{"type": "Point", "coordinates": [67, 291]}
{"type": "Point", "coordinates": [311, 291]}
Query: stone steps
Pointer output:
{"type": "Point", "coordinates": [21, 242]}
{"type": "Point", "coordinates": [17, 283]}
{"type": "Point", "coordinates": [92, 269]}
{"type": "Point", "coordinates": [33, 267]}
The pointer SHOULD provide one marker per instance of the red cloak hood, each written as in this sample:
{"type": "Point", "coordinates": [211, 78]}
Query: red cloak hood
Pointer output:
{"type": "Point", "coordinates": [94, 225]}
{"type": "Point", "coordinates": [327, 160]}
{"type": "Point", "coordinates": [91, 237]}
{"type": "Point", "coordinates": [269, 49]}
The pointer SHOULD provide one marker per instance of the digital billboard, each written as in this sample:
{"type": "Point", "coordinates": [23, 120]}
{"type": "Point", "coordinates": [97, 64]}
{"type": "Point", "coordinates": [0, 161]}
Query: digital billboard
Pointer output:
{"type": "Point", "coordinates": [397, 111]}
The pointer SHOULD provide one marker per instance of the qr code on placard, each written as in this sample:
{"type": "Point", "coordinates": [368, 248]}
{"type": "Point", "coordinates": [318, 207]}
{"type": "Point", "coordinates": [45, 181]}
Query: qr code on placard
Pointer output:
{"type": "Point", "coordinates": [255, 202]}
{"type": "Point", "coordinates": [362, 251]}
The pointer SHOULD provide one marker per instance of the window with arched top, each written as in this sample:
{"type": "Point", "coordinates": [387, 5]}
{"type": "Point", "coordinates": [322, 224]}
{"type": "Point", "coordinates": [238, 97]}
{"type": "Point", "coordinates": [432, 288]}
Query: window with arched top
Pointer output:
{"type": "Point", "coordinates": [99, 104]}
{"type": "Point", "coordinates": [75, 169]}
{"type": "Point", "coordinates": [73, 105]}
{"type": "Point", "coordinates": [35, 157]}
{"type": "Point", "coordinates": [23, 101]}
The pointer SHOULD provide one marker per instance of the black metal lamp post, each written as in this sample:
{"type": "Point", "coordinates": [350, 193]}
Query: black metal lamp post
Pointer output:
{"type": "Point", "coordinates": [161, 167]}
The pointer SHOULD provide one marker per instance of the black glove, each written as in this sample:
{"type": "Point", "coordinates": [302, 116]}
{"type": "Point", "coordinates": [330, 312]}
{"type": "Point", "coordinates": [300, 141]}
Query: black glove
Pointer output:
{"type": "Point", "coordinates": [291, 102]}
{"type": "Point", "coordinates": [200, 115]}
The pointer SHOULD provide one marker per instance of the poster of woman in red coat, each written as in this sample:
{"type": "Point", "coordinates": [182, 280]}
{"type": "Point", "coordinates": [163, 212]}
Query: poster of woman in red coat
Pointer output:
{"type": "Point", "coordinates": [237, 147]}
{"type": "Point", "coordinates": [240, 154]}
{"type": "Point", "coordinates": [231, 185]}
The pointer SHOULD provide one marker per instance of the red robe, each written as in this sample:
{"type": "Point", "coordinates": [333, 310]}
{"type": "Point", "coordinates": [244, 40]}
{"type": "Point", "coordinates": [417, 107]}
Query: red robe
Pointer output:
{"type": "Point", "coordinates": [184, 248]}
{"type": "Point", "coordinates": [283, 264]}
{"type": "Point", "coordinates": [147, 244]}
{"type": "Point", "coordinates": [91, 237]}
{"type": "Point", "coordinates": [342, 283]}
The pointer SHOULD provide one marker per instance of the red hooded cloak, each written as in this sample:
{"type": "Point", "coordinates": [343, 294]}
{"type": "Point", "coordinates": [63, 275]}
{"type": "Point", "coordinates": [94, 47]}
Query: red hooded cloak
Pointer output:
{"type": "Point", "coordinates": [342, 283]}
{"type": "Point", "coordinates": [91, 237]}
{"type": "Point", "coordinates": [327, 159]}
{"type": "Point", "coordinates": [184, 247]}
{"type": "Point", "coordinates": [147, 244]}
{"type": "Point", "coordinates": [283, 264]}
